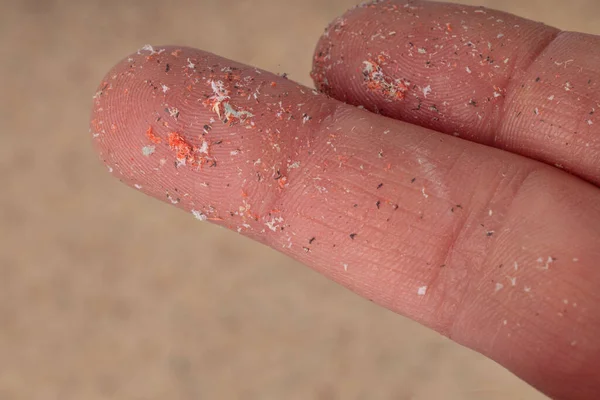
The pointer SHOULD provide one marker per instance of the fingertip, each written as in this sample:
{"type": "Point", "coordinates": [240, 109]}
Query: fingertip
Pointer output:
{"type": "Point", "coordinates": [219, 139]}
{"type": "Point", "coordinates": [443, 66]}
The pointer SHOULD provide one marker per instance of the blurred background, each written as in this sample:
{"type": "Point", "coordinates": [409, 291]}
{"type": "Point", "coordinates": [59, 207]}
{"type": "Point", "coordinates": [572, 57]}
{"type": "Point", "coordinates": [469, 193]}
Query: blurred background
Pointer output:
{"type": "Point", "coordinates": [107, 294]}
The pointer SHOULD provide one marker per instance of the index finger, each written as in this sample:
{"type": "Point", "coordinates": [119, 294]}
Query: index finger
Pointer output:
{"type": "Point", "coordinates": [480, 244]}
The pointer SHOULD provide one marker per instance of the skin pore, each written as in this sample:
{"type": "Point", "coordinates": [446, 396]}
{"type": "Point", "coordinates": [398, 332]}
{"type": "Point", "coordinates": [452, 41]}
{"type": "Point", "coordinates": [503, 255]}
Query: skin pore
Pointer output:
{"type": "Point", "coordinates": [447, 168]}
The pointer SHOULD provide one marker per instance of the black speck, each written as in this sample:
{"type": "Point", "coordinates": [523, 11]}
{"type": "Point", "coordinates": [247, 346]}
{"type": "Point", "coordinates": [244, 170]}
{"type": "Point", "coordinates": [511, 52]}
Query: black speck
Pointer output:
{"type": "Point", "coordinates": [538, 79]}
{"type": "Point", "coordinates": [312, 239]}
{"type": "Point", "coordinates": [352, 236]}
{"type": "Point", "coordinates": [489, 233]}
{"type": "Point", "coordinates": [378, 204]}
{"type": "Point", "coordinates": [379, 186]}
{"type": "Point", "coordinates": [413, 180]}
{"type": "Point", "coordinates": [167, 68]}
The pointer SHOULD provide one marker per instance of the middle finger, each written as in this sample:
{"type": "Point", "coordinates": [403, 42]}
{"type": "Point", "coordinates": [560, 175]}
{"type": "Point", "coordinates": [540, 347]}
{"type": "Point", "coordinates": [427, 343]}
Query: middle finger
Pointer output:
{"type": "Point", "coordinates": [483, 75]}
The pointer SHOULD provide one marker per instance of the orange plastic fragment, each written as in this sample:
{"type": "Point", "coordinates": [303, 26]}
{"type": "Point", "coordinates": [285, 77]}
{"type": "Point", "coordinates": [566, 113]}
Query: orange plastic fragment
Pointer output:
{"type": "Point", "coordinates": [184, 151]}
{"type": "Point", "coordinates": [153, 138]}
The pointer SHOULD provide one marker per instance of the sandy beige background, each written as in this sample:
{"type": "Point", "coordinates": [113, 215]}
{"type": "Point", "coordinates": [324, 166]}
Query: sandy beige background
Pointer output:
{"type": "Point", "coordinates": [106, 294]}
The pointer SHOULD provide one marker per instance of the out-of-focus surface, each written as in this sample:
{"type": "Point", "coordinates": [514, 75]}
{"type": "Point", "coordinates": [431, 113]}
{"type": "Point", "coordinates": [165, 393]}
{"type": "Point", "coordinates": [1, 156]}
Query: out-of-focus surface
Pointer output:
{"type": "Point", "coordinates": [105, 293]}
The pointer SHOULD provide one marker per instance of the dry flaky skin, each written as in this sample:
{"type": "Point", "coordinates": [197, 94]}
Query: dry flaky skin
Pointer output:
{"type": "Point", "coordinates": [460, 237]}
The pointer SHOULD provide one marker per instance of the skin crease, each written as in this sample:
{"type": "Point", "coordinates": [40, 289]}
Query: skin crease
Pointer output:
{"type": "Point", "coordinates": [493, 249]}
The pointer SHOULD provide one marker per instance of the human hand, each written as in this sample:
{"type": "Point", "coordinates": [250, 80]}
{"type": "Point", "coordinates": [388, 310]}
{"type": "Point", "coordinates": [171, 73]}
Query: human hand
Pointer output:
{"type": "Point", "coordinates": [483, 237]}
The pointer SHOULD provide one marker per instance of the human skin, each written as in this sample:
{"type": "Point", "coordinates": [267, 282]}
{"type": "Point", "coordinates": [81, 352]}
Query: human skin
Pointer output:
{"type": "Point", "coordinates": [471, 205]}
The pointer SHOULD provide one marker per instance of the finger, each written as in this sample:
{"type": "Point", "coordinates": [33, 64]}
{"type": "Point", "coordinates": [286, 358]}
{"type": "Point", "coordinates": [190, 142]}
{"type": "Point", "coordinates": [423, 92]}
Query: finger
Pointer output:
{"type": "Point", "coordinates": [427, 225]}
{"type": "Point", "coordinates": [480, 74]}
